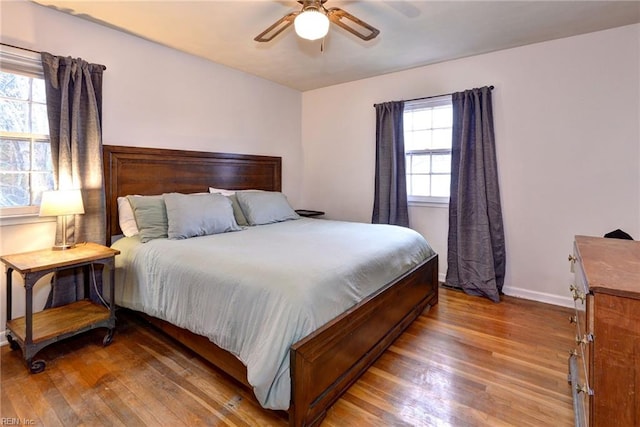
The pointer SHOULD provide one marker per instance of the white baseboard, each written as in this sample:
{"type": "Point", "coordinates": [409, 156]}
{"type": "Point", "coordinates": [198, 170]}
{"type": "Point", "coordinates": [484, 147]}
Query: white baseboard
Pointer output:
{"type": "Point", "coordinates": [3, 338]}
{"type": "Point", "coordinates": [564, 301]}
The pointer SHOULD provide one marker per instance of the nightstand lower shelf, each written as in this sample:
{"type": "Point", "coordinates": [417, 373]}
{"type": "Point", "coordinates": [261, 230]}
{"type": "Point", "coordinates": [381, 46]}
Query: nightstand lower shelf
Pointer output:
{"type": "Point", "coordinates": [55, 324]}
{"type": "Point", "coordinates": [60, 321]}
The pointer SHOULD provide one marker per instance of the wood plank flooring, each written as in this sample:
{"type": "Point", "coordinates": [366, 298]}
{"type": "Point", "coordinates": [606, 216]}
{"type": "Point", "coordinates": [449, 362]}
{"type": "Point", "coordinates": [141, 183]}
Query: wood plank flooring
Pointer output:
{"type": "Point", "coordinates": [467, 362]}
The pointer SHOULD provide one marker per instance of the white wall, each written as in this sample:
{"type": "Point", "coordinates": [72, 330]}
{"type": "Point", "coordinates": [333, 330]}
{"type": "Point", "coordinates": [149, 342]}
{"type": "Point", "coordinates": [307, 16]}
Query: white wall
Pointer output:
{"type": "Point", "coordinates": [566, 115]}
{"type": "Point", "coordinates": [567, 133]}
{"type": "Point", "coordinates": [154, 96]}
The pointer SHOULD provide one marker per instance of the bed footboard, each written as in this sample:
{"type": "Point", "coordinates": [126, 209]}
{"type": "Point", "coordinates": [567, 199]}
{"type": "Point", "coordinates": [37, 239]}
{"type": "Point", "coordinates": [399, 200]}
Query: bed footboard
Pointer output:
{"type": "Point", "coordinates": [327, 362]}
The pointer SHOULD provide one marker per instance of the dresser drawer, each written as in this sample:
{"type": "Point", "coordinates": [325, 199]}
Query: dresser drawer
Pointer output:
{"type": "Point", "coordinates": [580, 355]}
{"type": "Point", "coordinates": [579, 276]}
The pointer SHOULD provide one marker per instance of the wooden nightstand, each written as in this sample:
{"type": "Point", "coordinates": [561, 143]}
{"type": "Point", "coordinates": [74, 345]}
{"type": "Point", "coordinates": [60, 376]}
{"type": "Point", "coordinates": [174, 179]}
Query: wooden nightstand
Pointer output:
{"type": "Point", "coordinates": [35, 331]}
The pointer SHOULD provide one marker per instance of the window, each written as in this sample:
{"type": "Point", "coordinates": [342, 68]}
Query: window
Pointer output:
{"type": "Point", "coordinates": [25, 151]}
{"type": "Point", "coordinates": [427, 144]}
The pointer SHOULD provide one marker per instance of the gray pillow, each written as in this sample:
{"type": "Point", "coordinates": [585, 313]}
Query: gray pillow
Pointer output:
{"type": "Point", "coordinates": [191, 215]}
{"type": "Point", "coordinates": [151, 216]}
{"type": "Point", "coordinates": [265, 207]}
{"type": "Point", "coordinates": [237, 211]}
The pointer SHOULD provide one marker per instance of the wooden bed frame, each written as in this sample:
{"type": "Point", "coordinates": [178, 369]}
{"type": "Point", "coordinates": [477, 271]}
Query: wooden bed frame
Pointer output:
{"type": "Point", "coordinates": [325, 363]}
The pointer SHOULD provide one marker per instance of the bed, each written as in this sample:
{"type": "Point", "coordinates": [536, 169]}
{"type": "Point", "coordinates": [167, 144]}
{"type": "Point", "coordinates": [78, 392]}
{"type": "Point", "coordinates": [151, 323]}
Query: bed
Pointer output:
{"type": "Point", "coordinates": [327, 359]}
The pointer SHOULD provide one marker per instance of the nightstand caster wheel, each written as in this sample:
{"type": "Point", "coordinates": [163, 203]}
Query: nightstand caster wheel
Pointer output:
{"type": "Point", "coordinates": [13, 344]}
{"type": "Point", "coordinates": [108, 338]}
{"type": "Point", "coordinates": [36, 366]}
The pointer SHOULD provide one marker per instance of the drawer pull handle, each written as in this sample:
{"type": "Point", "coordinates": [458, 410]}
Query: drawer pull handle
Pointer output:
{"type": "Point", "coordinates": [586, 339]}
{"type": "Point", "coordinates": [573, 287]}
{"type": "Point", "coordinates": [579, 296]}
{"type": "Point", "coordinates": [573, 319]}
{"type": "Point", "coordinates": [572, 258]}
{"type": "Point", "coordinates": [584, 389]}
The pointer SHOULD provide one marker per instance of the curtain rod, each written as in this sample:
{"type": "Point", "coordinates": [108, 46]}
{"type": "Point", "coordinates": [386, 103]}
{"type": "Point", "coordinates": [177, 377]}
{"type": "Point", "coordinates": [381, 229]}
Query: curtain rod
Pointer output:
{"type": "Point", "coordinates": [33, 51]}
{"type": "Point", "coordinates": [21, 48]}
{"type": "Point", "coordinates": [429, 97]}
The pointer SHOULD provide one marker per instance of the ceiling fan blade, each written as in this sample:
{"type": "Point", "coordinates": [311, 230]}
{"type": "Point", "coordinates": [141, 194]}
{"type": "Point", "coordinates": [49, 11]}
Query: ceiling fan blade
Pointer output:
{"type": "Point", "coordinates": [278, 27]}
{"type": "Point", "coordinates": [341, 18]}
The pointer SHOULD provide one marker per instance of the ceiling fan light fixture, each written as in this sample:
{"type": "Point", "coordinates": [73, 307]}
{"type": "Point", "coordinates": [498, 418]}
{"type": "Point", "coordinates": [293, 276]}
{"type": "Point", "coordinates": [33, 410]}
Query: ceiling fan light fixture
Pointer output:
{"type": "Point", "coordinates": [311, 24]}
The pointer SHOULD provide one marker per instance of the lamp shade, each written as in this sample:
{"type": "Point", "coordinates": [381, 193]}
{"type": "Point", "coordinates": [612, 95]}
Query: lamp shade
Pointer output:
{"type": "Point", "coordinates": [61, 202]}
{"type": "Point", "coordinates": [311, 24]}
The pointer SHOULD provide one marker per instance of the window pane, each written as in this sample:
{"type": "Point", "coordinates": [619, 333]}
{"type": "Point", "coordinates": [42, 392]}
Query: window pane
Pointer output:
{"type": "Point", "coordinates": [442, 138]}
{"type": "Point", "coordinates": [38, 93]}
{"type": "Point", "coordinates": [442, 117]}
{"type": "Point", "coordinates": [14, 86]}
{"type": "Point", "coordinates": [407, 121]}
{"type": "Point", "coordinates": [15, 155]}
{"type": "Point", "coordinates": [419, 185]}
{"type": "Point", "coordinates": [14, 116]}
{"type": "Point", "coordinates": [419, 140]}
{"type": "Point", "coordinates": [408, 141]}
{"type": "Point", "coordinates": [42, 156]}
{"type": "Point", "coordinates": [422, 119]}
{"type": "Point", "coordinates": [14, 189]}
{"type": "Point", "coordinates": [420, 164]}
{"type": "Point", "coordinates": [441, 163]}
{"type": "Point", "coordinates": [440, 185]}
{"type": "Point", "coordinates": [41, 181]}
{"type": "Point", "coordinates": [39, 120]}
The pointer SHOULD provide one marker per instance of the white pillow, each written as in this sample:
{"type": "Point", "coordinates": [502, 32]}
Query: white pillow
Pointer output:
{"type": "Point", "coordinates": [222, 191]}
{"type": "Point", "coordinates": [126, 219]}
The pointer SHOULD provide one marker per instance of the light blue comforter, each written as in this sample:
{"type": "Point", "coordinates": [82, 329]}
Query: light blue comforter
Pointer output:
{"type": "Point", "coordinates": [257, 291]}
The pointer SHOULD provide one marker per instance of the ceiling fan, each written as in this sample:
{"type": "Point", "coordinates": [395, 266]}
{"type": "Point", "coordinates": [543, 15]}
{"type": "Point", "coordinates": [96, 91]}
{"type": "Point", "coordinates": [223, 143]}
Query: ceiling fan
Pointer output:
{"type": "Point", "coordinates": [312, 22]}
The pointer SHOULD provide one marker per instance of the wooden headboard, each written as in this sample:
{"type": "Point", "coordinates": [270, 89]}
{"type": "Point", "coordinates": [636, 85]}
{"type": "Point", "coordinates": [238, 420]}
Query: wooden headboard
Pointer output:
{"type": "Point", "coordinates": [148, 171]}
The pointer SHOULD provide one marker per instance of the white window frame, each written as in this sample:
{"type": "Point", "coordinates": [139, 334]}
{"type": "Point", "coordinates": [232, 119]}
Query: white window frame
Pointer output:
{"type": "Point", "coordinates": [427, 200]}
{"type": "Point", "coordinates": [18, 61]}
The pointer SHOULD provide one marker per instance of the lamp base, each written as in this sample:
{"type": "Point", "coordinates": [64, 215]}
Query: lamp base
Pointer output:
{"type": "Point", "coordinates": [63, 247]}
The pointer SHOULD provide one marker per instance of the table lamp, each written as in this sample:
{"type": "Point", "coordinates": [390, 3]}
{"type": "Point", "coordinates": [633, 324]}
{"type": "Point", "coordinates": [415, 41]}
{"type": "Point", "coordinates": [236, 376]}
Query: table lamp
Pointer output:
{"type": "Point", "coordinates": [62, 203]}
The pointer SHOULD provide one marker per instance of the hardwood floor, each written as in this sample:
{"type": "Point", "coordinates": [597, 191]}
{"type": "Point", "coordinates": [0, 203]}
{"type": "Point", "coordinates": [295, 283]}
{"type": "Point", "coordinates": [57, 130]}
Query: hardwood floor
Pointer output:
{"type": "Point", "coordinates": [468, 362]}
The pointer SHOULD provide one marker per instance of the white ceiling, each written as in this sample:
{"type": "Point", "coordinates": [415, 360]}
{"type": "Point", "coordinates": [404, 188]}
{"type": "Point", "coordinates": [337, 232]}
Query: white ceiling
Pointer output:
{"type": "Point", "coordinates": [412, 33]}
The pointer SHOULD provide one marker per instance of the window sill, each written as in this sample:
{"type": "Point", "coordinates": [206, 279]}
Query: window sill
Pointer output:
{"type": "Point", "coordinates": [428, 204]}
{"type": "Point", "coordinates": [24, 219]}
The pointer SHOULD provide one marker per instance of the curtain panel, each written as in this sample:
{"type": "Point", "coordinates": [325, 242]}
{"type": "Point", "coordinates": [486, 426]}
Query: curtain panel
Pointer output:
{"type": "Point", "coordinates": [476, 246]}
{"type": "Point", "coordinates": [74, 108]}
{"type": "Point", "coordinates": [390, 195]}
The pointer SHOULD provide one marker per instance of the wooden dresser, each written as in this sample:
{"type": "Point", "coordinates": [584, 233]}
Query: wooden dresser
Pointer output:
{"type": "Point", "coordinates": [604, 368]}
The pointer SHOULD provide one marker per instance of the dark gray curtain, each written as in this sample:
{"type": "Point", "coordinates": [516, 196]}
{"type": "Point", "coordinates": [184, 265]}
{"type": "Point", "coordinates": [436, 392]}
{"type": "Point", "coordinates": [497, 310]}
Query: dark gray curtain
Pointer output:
{"type": "Point", "coordinates": [476, 249]}
{"type": "Point", "coordinates": [390, 197]}
{"type": "Point", "coordinates": [74, 107]}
